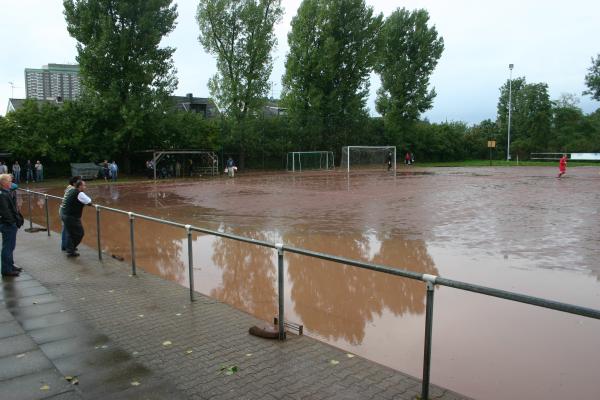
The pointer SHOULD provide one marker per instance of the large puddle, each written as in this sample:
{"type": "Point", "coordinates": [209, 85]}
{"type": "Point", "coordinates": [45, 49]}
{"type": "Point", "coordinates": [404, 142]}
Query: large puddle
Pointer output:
{"type": "Point", "coordinates": [517, 229]}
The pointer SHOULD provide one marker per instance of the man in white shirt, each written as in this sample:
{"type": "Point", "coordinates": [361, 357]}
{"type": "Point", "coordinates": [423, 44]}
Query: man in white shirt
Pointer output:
{"type": "Point", "coordinates": [71, 210]}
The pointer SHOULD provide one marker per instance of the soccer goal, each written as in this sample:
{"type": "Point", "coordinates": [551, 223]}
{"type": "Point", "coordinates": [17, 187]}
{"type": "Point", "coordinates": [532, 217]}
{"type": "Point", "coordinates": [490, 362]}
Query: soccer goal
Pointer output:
{"type": "Point", "coordinates": [309, 160]}
{"type": "Point", "coordinates": [368, 157]}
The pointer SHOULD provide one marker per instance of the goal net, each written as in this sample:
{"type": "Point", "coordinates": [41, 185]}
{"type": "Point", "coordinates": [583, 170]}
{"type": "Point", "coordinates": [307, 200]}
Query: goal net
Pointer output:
{"type": "Point", "coordinates": [309, 160]}
{"type": "Point", "coordinates": [368, 157]}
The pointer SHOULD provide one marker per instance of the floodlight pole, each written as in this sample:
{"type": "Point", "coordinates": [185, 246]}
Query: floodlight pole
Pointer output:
{"type": "Point", "coordinates": [510, 67]}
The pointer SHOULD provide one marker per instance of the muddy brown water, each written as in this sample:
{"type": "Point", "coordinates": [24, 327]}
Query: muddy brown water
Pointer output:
{"type": "Point", "coordinates": [518, 229]}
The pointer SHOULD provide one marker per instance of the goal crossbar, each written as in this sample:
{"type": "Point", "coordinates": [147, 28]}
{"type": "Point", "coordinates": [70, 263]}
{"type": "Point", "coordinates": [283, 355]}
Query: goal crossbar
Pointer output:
{"type": "Point", "coordinates": [368, 155]}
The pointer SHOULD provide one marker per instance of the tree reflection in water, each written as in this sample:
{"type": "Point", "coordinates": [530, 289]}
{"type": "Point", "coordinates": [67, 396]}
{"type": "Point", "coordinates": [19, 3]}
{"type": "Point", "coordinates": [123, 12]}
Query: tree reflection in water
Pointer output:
{"type": "Point", "coordinates": [248, 274]}
{"type": "Point", "coordinates": [337, 301]}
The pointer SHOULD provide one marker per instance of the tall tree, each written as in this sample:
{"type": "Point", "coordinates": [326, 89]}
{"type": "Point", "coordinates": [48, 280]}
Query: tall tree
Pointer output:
{"type": "Point", "coordinates": [325, 85]}
{"type": "Point", "coordinates": [123, 68]}
{"type": "Point", "coordinates": [408, 53]}
{"type": "Point", "coordinates": [592, 79]}
{"type": "Point", "coordinates": [240, 34]}
{"type": "Point", "coordinates": [531, 116]}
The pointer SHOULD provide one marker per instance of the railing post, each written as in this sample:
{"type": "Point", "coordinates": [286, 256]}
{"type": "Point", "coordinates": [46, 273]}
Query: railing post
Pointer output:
{"type": "Point", "coordinates": [280, 318]}
{"type": "Point", "coordinates": [47, 214]}
{"type": "Point", "coordinates": [30, 212]}
{"type": "Point", "coordinates": [98, 231]}
{"type": "Point", "coordinates": [430, 281]}
{"type": "Point", "coordinates": [188, 229]}
{"type": "Point", "coordinates": [132, 243]}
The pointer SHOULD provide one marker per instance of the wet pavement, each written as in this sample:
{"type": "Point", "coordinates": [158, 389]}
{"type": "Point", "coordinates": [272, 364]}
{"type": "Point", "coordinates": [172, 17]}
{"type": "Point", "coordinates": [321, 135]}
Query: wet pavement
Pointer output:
{"type": "Point", "coordinates": [48, 351]}
{"type": "Point", "coordinates": [81, 328]}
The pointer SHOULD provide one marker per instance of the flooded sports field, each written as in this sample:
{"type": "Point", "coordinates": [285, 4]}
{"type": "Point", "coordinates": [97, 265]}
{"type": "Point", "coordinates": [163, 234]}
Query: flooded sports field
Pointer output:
{"type": "Point", "coordinates": [518, 229]}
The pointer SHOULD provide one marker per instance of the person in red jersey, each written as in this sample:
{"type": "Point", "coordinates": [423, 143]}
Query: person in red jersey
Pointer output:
{"type": "Point", "coordinates": [562, 166]}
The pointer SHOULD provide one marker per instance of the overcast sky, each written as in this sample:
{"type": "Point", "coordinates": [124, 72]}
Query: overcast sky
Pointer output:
{"type": "Point", "coordinates": [549, 41]}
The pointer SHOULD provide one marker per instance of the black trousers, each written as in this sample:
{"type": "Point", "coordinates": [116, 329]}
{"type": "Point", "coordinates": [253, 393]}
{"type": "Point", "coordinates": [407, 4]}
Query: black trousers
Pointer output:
{"type": "Point", "coordinates": [75, 232]}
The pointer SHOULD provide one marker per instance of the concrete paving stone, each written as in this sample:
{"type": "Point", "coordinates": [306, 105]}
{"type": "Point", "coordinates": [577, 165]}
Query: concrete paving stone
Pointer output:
{"type": "Point", "coordinates": [10, 328]}
{"type": "Point", "coordinates": [59, 332]}
{"type": "Point", "coordinates": [16, 293]}
{"type": "Point", "coordinates": [37, 310]}
{"type": "Point", "coordinates": [18, 284]}
{"type": "Point", "coordinates": [92, 360]}
{"type": "Point", "coordinates": [30, 300]}
{"type": "Point", "coordinates": [156, 391]}
{"type": "Point", "coordinates": [72, 346]}
{"type": "Point", "coordinates": [15, 345]}
{"type": "Point", "coordinates": [48, 320]}
{"type": "Point", "coordinates": [112, 379]}
{"type": "Point", "coordinates": [5, 315]}
{"type": "Point", "coordinates": [31, 362]}
{"type": "Point", "coordinates": [29, 387]}
{"type": "Point", "coordinates": [72, 395]}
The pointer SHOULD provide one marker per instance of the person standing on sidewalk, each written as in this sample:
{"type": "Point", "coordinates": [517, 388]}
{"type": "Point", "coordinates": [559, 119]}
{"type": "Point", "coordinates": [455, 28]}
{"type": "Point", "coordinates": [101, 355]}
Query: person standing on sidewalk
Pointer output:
{"type": "Point", "coordinates": [71, 211]}
{"type": "Point", "coordinates": [64, 236]}
{"type": "Point", "coordinates": [10, 222]}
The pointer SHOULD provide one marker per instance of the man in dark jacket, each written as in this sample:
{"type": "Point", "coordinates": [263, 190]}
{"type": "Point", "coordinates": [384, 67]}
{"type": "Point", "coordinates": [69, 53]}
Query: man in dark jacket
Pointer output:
{"type": "Point", "coordinates": [71, 210]}
{"type": "Point", "coordinates": [8, 226]}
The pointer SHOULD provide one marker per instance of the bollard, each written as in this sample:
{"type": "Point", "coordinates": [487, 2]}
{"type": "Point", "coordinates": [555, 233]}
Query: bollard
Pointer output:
{"type": "Point", "coordinates": [132, 243]}
{"type": "Point", "coordinates": [98, 232]}
{"type": "Point", "coordinates": [47, 214]}
{"type": "Point", "coordinates": [430, 281]}
{"type": "Point", "coordinates": [30, 213]}
{"type": "Point", "coordinates": [188, 229]}
{"type": "Point", "coordinates": [280, 318]}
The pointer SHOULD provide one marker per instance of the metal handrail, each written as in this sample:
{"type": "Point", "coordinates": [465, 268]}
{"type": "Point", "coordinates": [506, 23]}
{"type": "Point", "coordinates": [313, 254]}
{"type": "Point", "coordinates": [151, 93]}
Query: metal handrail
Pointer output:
{"type": "Point", "coordinates": [430, 280]}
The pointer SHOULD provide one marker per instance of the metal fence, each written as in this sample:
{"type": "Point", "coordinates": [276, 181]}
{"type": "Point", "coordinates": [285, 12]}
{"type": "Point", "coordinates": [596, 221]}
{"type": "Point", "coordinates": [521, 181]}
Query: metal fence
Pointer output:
{"type": "Point", "coordinates": [430, 280]}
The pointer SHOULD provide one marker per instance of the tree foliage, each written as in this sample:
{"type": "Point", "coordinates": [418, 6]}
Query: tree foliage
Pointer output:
{"type": "Point", "coordinates": [531, 116]}
{"type": "Point", "coordinates": [125, 72]}
{"type": "Point", "coordinates": [408, 53]}
{"type": "Point", "coordinates": [240, 34]}
{"type": "Point", "coordinates": [325, 86]}
{"type": "Point", "coordinates": [592, 79]}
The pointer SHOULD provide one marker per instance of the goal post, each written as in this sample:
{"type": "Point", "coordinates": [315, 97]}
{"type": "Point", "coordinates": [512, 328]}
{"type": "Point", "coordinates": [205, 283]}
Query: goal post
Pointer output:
{"type": "Point", "coordinates": [368, 157]}
{"type": "Point", "coordinates": [298, 161]}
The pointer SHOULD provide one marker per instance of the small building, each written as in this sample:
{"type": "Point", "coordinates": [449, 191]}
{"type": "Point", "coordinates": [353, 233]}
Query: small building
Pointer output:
{"type": "Point", "coordinates": [15, 104]}
{"type": "Point", "coordinates": [200, 105]}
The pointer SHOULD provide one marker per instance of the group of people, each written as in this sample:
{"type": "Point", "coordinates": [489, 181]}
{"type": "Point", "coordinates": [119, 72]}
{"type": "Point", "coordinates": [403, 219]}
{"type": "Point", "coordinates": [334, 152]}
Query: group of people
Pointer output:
{"type": "Point", "coordinates": [109, 170]}
{"type": "Point", "coordinates": [33, 172]}
{"type": "Point", "coordinates": [409, 159]}
{"type": "Point", "coordinates": [70, 211]}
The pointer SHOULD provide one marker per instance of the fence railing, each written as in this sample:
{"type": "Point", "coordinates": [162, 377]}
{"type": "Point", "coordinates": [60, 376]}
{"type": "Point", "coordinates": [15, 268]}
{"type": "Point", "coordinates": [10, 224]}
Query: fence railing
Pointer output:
{"type": "Point", "coordinates": [430, 280]}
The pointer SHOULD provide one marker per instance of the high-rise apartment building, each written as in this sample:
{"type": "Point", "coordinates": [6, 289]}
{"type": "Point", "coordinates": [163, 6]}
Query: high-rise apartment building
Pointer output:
{"type": "Point", "coordinates": [53, 81]}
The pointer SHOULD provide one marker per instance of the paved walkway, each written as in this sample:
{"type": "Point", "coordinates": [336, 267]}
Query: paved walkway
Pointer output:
{"type": "Point", "coordinates": [123, 337]}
